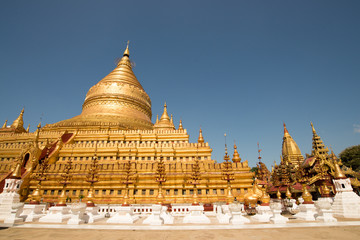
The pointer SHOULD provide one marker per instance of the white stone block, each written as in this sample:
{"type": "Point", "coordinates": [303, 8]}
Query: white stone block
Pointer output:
{"type": "Point", "coordinates": [263, 214]}
{"type": "Point", "coordinates": [124, 214]}
{"type": "Point", "coordinates": [196, 215]}
{"type": "Point", "coordinates": [32, 212]}
{"type": "Point", "coordinates": [56, 214]}
{"type": "Point", "coordinates": [154, 218]}
{"type": "Point", "coordinates": [346, 203]}
{"type": "Point", "coordinates": [93, 215]}
{"type": "Point", "coordinates": [168, 219]}
{"type": "Point", "coordinates": [323, 207]}
{"type": "Point", "coordinates": [307, 212]}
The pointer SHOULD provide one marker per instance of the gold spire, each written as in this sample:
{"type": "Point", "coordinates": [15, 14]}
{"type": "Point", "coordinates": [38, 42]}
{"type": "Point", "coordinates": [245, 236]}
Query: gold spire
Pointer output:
{"type": "Point", "coordinates": [338, 173]}
{"type": "Point", "coordinates": [4, 126]}
{"type": "Point", "coordinates": [290, 151]}
{"type": "Point", "coordinates": [28, 128]}
{"type": "Point", "coordinates": [157, 118]}
{"type": "Point", "coordinates": [126, 52]}
{"type": "Point", "coordinates": [171, 119]}
{"type": "Point", "coordinates": [165, 122]}
{"type": "Point", "coordinates": [165, 115]}
{"type": "Point", "coordinates": [180, 125]}
{"type": "Point", "coordinates": [318, 146]}
{"type": "Point", "coordinates": [312, 127]}
{"type": "Point", "coordinates": [286, 133]}
{"type": "Point", "coordinates": [236, 156]}
{"type": "Point", "coordinates": [201, 139]}
{"type": "Point", "coordinates": [18, 123]}
{"type": "Point", "coordinates": [17, 172]}
{"type": "Point", "coordinates": [37, 133]}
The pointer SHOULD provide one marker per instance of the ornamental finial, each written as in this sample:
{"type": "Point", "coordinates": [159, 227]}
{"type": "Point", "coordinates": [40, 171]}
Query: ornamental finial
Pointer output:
{"type": "Point", "coordinates": [201, 138]}
{"type": "Point", "coordinates": [127, 53]}
{"type": "Point", "coordinates": [4, 126]}
{"type": "Point", "coordinates": [312, 126]}
{"type": "Point", "coordinates": [180, 125]}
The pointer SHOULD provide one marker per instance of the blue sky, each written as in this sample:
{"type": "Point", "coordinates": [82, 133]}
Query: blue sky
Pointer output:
{"type": "Point", "coordinates": [240, 67]}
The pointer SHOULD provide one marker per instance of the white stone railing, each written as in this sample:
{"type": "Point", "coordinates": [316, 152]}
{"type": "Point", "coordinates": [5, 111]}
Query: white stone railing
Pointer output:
{"type": "Point", "coordinates": [180, 210]}
{"type": "Point", "coordinates": [111, 209]}
{"type": "Point", "coordinates": [142, 209]}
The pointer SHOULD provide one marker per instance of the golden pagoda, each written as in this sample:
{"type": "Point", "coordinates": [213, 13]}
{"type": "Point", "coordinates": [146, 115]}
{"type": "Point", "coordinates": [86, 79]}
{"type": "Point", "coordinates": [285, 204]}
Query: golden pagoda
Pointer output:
{"type": "Point", "coordinates": [290, 150]}
{"type": "Point", "coordinates": [115, 128]}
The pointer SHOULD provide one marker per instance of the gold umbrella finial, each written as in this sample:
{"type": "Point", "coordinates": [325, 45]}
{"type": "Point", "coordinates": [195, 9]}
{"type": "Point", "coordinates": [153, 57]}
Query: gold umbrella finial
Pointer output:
{"type": "Point", "coordinates": [312, 126]}
{"type": "Point", "coordinates": [201, 138]}
{"type": "Point", "coordinates": [127, 53]}
{"type": "Point", "coordinates": [180, 125]}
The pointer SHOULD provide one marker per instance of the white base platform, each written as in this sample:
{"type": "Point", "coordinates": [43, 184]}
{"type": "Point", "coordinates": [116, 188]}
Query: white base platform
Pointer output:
{"type": "Point", "coordinates": [124, 214]}
{"type": "Point", "coordinates": [56, 214]}
{"type": "Point", "coordinates": [346, 205]}
{"type": "Point", "coordinates": [32, 212]}
{"type": "Point", "coordinates": [93, 214]}
{"type": "Point", "coordinates": [307, 212]}
{"type": "Point", "coordinates": [196, 215]}
{"type": "Point", "coordinates": [277, 218]}
{"type": "Point", "coordinates": [263, 214]}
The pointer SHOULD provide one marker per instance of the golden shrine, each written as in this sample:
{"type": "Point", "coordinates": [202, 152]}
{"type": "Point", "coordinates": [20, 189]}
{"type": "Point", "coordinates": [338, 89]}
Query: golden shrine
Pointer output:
{"type": "Point", "coordinates": [295, 175]}
{"type": "Point", "coordinates": [113, 153]}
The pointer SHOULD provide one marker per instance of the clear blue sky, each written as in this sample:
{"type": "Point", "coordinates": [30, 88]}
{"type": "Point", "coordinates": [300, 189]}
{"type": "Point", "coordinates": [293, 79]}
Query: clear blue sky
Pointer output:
{"type": "Point", "coordinates": [240, 67]}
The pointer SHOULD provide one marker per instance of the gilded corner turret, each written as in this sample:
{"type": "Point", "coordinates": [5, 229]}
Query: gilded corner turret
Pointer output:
{"type": "Point", "coordinates": [5, 124]}
{"type": "Point", "coordinates": [200, 138]}
{"type": "Point", "coordinates": [165, 122]}
{"type": "Point", "coordinates": [18, 124]}
{"type": "Point", "coordinates": [236, 156]}
{"type": "Point", "coordinates": [180, 125]}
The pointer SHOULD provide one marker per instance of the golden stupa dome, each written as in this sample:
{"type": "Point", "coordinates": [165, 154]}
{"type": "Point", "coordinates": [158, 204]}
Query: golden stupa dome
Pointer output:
{"type": "Point", "coordinates": [118, 100]}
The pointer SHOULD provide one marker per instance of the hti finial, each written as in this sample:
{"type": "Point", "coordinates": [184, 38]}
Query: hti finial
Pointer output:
{"type": "Point", "coordinates": [259, 150]}
{"type": "Point", "coordinates": [225, 144]}
{"type": "Point", "coordinates": [312, 126]}
{"type": "Point", "coordinates": [127, 53]}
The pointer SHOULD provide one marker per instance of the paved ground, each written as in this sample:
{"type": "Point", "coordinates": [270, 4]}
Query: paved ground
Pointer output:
{"type": "Point", "coordinates": [310, 233]}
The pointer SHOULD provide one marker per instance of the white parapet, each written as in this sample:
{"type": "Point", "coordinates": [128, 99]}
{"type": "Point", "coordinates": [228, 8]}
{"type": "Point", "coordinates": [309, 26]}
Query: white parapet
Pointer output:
{"type": "Point", "coordinates": [124, 214]}
{"type": "Point", "coordinates": [56, 214]}
{"type": "Point", "coordinates": [196, 215]}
